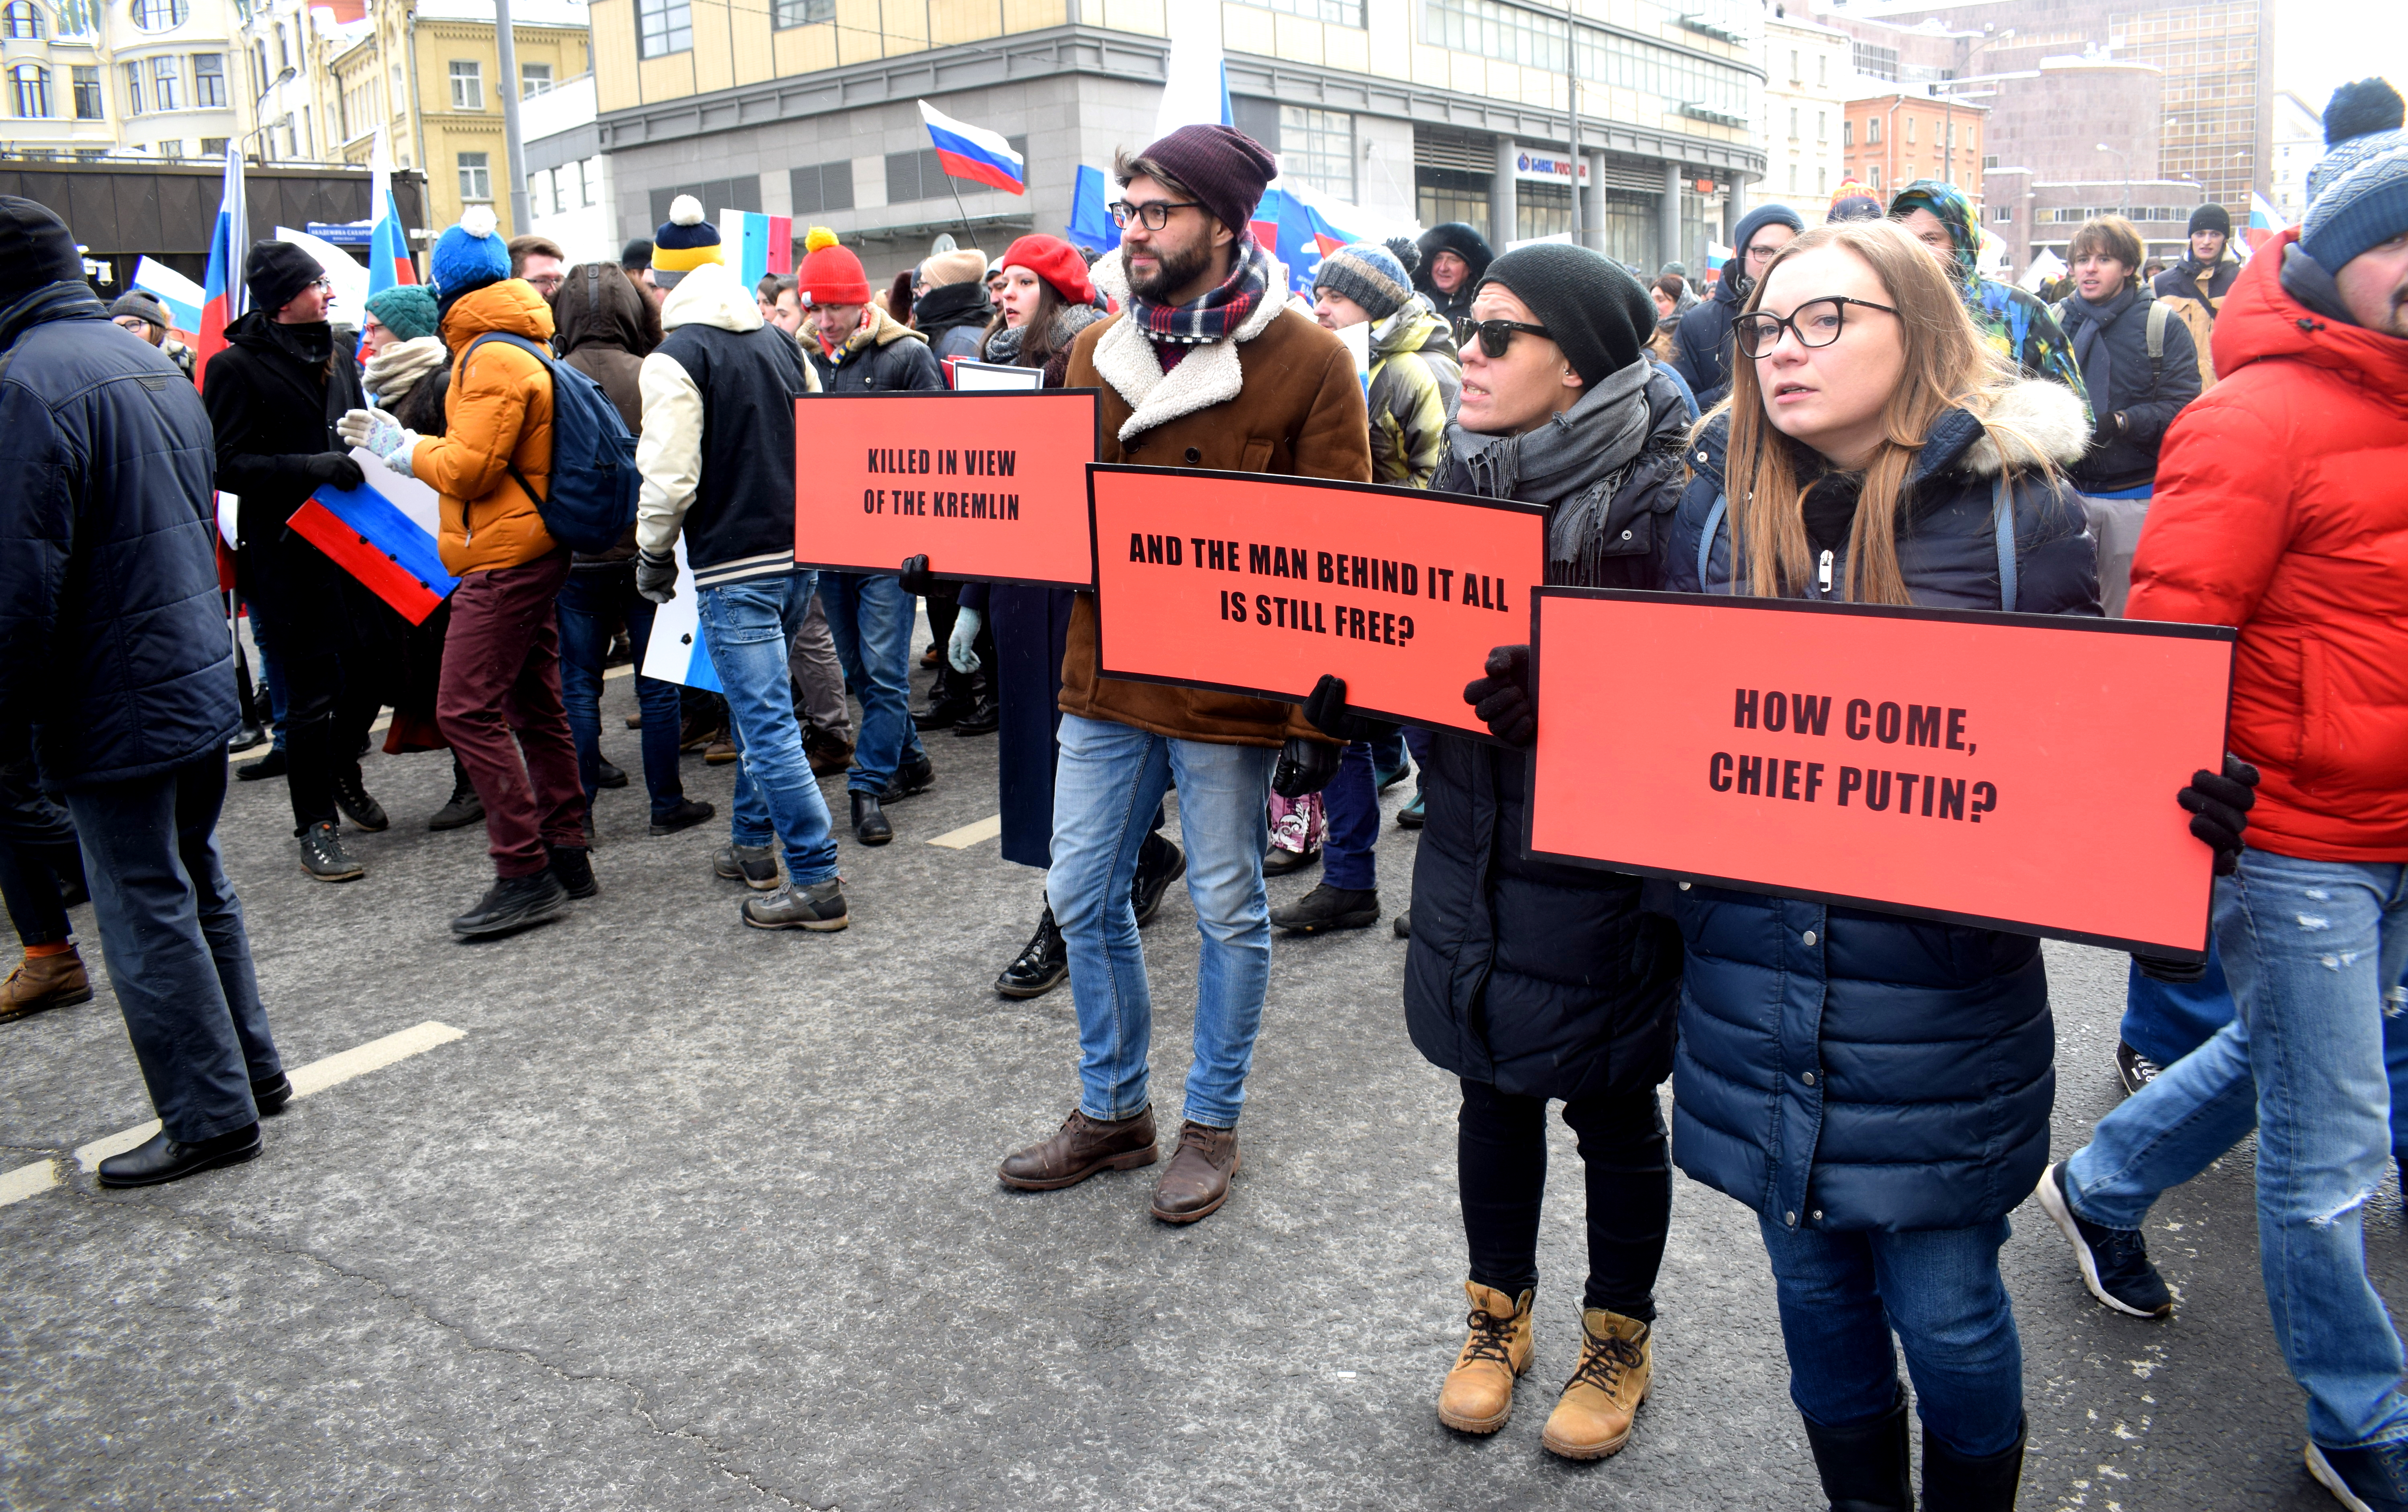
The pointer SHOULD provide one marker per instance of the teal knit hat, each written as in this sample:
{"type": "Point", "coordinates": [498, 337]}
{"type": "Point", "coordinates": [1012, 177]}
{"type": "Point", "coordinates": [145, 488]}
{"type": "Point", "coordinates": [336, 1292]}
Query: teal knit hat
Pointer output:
{"type": "Point", "coordinates": [405, 310]}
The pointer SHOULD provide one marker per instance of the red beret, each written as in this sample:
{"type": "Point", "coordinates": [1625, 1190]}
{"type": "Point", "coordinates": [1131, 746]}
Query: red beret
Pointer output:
{"type": "Point", "coordinates": [1058, 262]}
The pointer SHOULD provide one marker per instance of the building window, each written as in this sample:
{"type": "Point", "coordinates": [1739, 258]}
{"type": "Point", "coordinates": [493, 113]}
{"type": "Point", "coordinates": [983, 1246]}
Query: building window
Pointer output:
{"type": "Point", "coordinates": [209, 80]}
{"type": "Point", "coordinates": [1847, 133]}
{"type": "Point", "coordinates": [1318, 147]}
{"type": "Point", "coordinates": [1688, 85]}
{"type": "Point", "coordinates": [802, 12]}
{"type": "Point", "coordinates": [1793, 122]}
{"type": "Point", "coordinates": [1822, 70]}
{"type": "Point", "coordinates": [468, 84]}
{"type": "Point", "coordinates": [1793, 178]}
{"type": "Point", "coordinates": [88, 105]}
{"type": "Point", "coordinates": [2003, 214]}
{"type": "Point", "coordinates": [718, 195]}
{"type": "Point", "coordinates": [1872, 131]}
{"type": "Point", "coordinates": [133, 88]}
{"type": "Point", "coordinates": [1336, 12]}
{"type": "Point", "coordinates": [534, 78]}
{"type": "Point", "coordinates": [172, 147]}
{"type": "Point", "coordinates": [1797, 74]}
{"type": "Point", "coordinates": [821, 187]}
{"type": "Point", "coordinates": [1444, 194]}
{"type": "Point", "coordinates": [1541, 209]}
{"type": "Point", "coordinates": [30, 85]}
{"type": "Point", "coordinates": [917, 175]}
{"type": "Point", "coordinates": [1990, 163]}
{"type": "Point", "coordinates": [1873, 177]}
{"type": "Point", "coordinates": [160, 15]}
{"type": "Point", "coordinates": [22, 22]}
{"type": "Point", "coordinates": [476, 179]}
{"type": "Point", "coordinates": [1910, 131]}
{"type": "Point", "coordinates": [585, 173]}
{"type": "Point", "coordinates": [213, 147]}
{"type": "Point", "coordinates": [663, 27]}
{"type": "Point", "coordinates": [167, 83]}
{"type": "Point", "coordinates": [1822, 125]}
{"type": "Point", "coordinates": [1822, 181]}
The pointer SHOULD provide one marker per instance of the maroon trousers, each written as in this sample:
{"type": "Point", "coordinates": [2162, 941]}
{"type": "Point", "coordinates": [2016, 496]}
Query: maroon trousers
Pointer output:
{"type": "Point", "coordinates": [501, 675]}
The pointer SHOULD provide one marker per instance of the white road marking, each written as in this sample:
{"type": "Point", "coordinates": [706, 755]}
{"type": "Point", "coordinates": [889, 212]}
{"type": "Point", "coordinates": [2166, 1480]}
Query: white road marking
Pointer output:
{"type": "Point", "coordinates": [316, 1076]}
{"type": "Point", "coordinates": [970, 834]}
{"type": "Point", "coordinates": [27, 1182]}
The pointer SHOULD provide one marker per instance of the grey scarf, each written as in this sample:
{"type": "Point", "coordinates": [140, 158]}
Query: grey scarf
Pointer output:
{"type": "Point", "coordinates": [1576, 461]}
{"type": "Point", "coordinates": [2091, 352]}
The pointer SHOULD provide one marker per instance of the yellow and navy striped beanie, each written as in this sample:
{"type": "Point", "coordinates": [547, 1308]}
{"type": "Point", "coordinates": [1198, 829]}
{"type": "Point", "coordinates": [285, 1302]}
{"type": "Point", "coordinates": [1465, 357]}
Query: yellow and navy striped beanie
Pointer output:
{"type": "Point", "coordinates": [685, 242]}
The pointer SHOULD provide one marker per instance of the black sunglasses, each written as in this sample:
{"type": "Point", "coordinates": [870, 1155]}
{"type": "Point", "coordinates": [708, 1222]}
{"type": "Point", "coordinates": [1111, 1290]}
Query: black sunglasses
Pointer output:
{"type": "Point", "coordinates": [1155, 214]}
{"type": "Point", "coordinates": [1497, 336]}
{"type": "Point", "coordinates": [1816, 323]}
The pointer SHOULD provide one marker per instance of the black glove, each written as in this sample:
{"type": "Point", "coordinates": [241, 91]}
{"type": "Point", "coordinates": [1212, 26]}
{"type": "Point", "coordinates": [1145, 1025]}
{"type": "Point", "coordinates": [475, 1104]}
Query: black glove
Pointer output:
{"type": "Point", "coordinates": [656, 576]}
{"type": "Point", "coordinates": [333, 467]}
{"type": "Point", "coordinates": [914, 577]}
{"type": "Point", "coordinates": [2219, 809]}
{"type": "Point", "coordinates": [1305, 766]}
{"type": "Point", "coordinates": [1326, 711]}
{"type": "Point", "coordinates": [2175, 973]}
{"type": "Point", "coordinates": [1502, 698]}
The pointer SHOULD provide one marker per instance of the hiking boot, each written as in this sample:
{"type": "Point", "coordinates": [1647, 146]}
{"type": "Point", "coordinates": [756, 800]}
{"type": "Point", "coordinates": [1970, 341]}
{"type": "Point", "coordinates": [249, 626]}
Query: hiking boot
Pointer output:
{"type": "Point", "coordinates": [1869, 1467]}
{"type": "Point", "coordinates": [1410, 816]}
{"type": "Point", "coordinates": [699, 731]}
{"type": "Point", "coordinates": [2114, 1261]}
{"type": "Point", "coordinates": [160, 1159]}
{"type": "Point", "coordinates": [1079, 1149]}
{"type": "Point", "coordinates": [1196, 1181]}
{"type": "Point", "coordinates": [685, 815]}
{"type": "Point", "coordinates": [572, 868]}
{"type": "Point", "coordinates": [271, 764]}
{"type": "Point", "coordinates": [1477, 1393]}
{"type": "Point", "coordinates": [2371, 1479]}
{"type": "Point", "coordinates": [1593, 1417]}
{"type": "Point", "coordinates": [1327, 907]}
{"type": "Point", "coordinates": [719, 752]}
{"type": "Point", "coordinates": [324, 858]}
{"type": "Point", "coordinates": [943, 713]}
{"type": "Point", "coordinates": [463, 808]}
{"type": "Point", "coordinates": [983, 718]}
{"type": "Point", "coordinates": [351, 797]}
{"type": "Point", "coordinates": [57, 981]}
{"type": "Point", "coordinates": [869, 823]}
{"type": "Point", "coordinates": [1953, 1482]}
{"type": "Point", "coordinates": [513, 904]}
{"type": "Point", "coordinates": [1042, 965]}
{"type": "Point", "coordinates": [829, 754]}
{"type": "Point", "coordinates": [607, 776]}
{"type": "Point", "coordinates": [1279, 860]}
{"type": "Point", "coordinates": [2133, 1069]}
{"type": "Point", "coordinates": [1160, 863]}
{"type": "Point", "coordinates": [818, 907]}
{"type": "Point", "coordinates": [755, 866]}
{"type": "Point", "coordinates": [912, 776]}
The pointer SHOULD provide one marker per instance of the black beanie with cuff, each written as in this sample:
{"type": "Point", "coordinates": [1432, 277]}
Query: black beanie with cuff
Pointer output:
{"type": "Point", "coordinates": [1590, 305]}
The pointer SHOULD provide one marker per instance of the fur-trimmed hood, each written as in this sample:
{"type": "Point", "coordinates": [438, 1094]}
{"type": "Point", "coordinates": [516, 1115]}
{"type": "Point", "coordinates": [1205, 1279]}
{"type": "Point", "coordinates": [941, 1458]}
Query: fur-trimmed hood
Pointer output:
{"type": "Point", "coordinates": [1209, 375]}
{"type": "Point", "coordinates": [2031, 420]}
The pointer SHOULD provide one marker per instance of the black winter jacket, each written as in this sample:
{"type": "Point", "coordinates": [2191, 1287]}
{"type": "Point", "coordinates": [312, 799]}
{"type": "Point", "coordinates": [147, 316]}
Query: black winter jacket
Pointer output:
{"type": "Point", "coordinates": [1846, 1069]}
{"type": "Point", "coordinates": [898, 359]}
{"type": "Point", "coordinates": [2133, 420]}
{"type": "Point", "coordinates": [1543, 981]}
{"type": "Point", "coordinates": [953, 317]}
{"type": "Point", "coordinates": [273, 400]}
{"type": "Point", "coordinates": [1701, 348]}
{"type": "Point", "coordinates": [112, 636]}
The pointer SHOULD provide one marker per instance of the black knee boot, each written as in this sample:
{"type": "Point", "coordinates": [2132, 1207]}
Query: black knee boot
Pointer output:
{"type": "Point", "coordinates": [1954, 1483]}
{"type": "Point", "coordinates": [1867, 1468]}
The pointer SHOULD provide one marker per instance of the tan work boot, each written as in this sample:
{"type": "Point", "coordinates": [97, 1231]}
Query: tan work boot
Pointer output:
{"type": "Point", "coordinates": [1592, 1419]}
{"type": "Point", "coordinates": [1478, 1395]}
{"type": "Point", "coordinates": [56, 980]}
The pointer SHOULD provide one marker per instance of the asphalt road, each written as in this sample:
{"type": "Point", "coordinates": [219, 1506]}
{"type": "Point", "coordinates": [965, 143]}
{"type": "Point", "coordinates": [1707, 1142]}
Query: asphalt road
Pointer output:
{"type": "Point", "coordinates": [697, 1216]}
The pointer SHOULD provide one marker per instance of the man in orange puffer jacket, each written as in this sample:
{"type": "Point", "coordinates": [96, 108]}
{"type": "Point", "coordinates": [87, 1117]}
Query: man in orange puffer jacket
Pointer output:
{"type": "Point", "coordinates": [501, 655]}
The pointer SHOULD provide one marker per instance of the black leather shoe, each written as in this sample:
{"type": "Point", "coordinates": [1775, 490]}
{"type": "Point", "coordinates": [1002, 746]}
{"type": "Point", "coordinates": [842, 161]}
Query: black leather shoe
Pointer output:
{"type": "Point", "coordinates": [464, 808]}
{"type": "Point", "coordinates": [869, 825]}
{"type": "Point", "coordinates": [1160, 863]}
{"type": "Point", "coordinates": [162, 1159]}
{"type": "Point", "coordinates": [685, 815]}
{"type": "Point", "coordinates": [512, 904]}
{"type": "Point", "coordinates": [942, 713]}
{"type": "Point", "coordinates": [1043, 966]}
{"type": "Point", "coordinates": [607, 776]}
{"type": "Point", "coordinates": [246, 737]}
{"type": "Point", "coordinates": [271, 764]}
{"type": "Point", "coordinates": [1279, 861]}
{"type": "Point", "coordinates": [983, 718]}
{"type": "Point", "coordinates": [352, 796]}
{"type": "Point", "coordinates": [914, 777]}
{"type": "Point", "coordinates": [572, 866]}
{"type": "Point", "coordinates": [269, 1096]}
{"type": "Point", "coordinates": [1327, 907]}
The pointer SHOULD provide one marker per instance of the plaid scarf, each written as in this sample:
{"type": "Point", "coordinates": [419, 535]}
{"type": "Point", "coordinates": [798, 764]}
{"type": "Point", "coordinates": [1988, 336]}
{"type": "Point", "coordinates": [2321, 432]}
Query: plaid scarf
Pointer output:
{"type": "Point", "coordinates": [1218, 312]}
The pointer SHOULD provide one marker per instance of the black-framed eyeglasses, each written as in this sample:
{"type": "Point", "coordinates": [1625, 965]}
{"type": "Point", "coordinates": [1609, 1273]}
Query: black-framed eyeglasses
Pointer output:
{"type": "Point", "coordinates": [1155, 214]}
{"type": "Point", "coordinates": [1497, 336]}
{"type": "Point", "coordinates": [1816, 323]}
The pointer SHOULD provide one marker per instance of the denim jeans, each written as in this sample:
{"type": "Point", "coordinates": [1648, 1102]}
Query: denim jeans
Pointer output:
{"type": "Point", "coordinates": [747, 627]}
{"type": "Point", "coordinates": [1351, 804]}
{"type": "Point", "coordinates": [1843, 1292]}
{"type": "Point", "coordinates": [1107, 783]}
{"type": "Point", "coordinates": [871, 618]}
{"type": "Point", "coordinates": [179, 957]}
{"type": "Point", "coordinates": [586, 602]}
{"type": "Point", "coordinates": [2314, 951]}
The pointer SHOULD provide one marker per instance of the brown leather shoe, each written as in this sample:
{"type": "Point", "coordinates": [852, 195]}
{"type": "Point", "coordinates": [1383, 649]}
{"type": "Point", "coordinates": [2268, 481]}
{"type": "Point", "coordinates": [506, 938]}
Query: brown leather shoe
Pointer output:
{"type": "Point", "coordinates": [1083, 1147]}
{"type": "Point", "coordinates": [720, 751]}
{"type": "Point", "coordinates": [1197, 1180]}
{"type": "Point", "coordinates": [1478, 1395]}
{"type": "Point", "coordinates": [57, 981]}
{"type": "Point", "coordinates": [1592, 1419]}
{"type": "Point", "coordinates": [829, 754]}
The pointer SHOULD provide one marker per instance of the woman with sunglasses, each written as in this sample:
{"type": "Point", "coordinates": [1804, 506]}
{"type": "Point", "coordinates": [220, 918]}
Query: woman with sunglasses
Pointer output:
{"type": "Point", "coordinates": [1876, 1088]}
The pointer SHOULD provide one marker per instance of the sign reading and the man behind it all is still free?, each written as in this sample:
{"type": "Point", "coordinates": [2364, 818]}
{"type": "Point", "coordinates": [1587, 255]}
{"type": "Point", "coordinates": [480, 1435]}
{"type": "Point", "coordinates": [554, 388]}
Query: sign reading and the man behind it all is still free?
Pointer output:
{"type": "Point", "coordinates": [1258, 584]}
{"type": "Point", "coordinates": [2010, 770]}
{"type": "Point", "coordinates": [988, 486]}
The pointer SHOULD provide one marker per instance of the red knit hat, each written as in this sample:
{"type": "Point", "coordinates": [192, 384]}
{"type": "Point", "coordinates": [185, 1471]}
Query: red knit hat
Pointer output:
{"type": "Point", "coordinates": [829, 274]}
{"type": "Point", "coordinates": [1058, 262]}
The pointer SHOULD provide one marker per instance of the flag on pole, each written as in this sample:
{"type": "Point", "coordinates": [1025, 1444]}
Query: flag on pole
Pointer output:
{"type": "Point", "coordinates": [223, 298]}
{"type": "Point", "coordinates": [974, 152]}
{"type": "Point", "coordinates": [1091, 216]}
{"type": "Point", "coordinates": [1716, 255]}
{"type": "Point", "coordinates": [180, 294]}
{"type": "Point", "coordinates": [383, 534]}
{"type": "Point", "coordinates": [1195, 76]}
{"type": "Point", "coordinates": [389, 259]}
{"type": "Point", "coordinates": [764, 244]}
{"type": "Point", "coordinates": [2265, 221]}
{"type": "Point", "coordinates": [676, 653]}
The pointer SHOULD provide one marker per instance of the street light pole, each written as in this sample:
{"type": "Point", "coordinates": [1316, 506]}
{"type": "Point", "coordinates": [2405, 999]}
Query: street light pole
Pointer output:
{"type": "Point", "coordinates": [1572, 111]}
{"type": "Point", "coordinates": [514, 150]}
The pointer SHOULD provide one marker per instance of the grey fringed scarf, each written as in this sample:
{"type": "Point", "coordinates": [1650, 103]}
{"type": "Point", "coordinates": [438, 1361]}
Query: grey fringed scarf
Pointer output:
{"type": "Point", "coordinates": [1576, 462]}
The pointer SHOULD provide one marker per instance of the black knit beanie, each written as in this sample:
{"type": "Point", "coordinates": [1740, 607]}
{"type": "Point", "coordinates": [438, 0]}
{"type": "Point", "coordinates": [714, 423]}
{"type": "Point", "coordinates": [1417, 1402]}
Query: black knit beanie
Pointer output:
{"type": "Point", "coordinates": [276, 271]}
{"type": "Point", "coordinates": [36, 249]}
{"type": "Point", "coordinates": [1592, 307]}
{"type": "Point", "coordinates": [2210, 217]}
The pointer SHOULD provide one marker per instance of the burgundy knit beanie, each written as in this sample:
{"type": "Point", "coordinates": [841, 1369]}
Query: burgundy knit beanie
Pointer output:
{"type": "Point", "coordinates": [1224, 167]}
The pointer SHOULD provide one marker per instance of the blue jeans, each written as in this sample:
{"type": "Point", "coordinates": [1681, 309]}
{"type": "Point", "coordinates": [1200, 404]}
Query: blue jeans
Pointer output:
{"type": "Point", "coordinates": [1843, 1292]}
{"type": "Point", "coordinates": [179, 957]}
{"type": "Point", "coordinates": [1351, 804]}
{"type": "Point", "coordinates": [871, 618]}
{"type": "Point", "coordinates": [747, 627]}
{"type": "Point", "coordinates": [1107, 782]}
{"type": "Point", "coordinates": [586, 602]}
{"type": "Point", "coordinates": [2314, 951]}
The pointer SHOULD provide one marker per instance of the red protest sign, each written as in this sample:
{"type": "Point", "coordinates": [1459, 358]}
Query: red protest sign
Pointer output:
{"type": "Point", "coordinates": [2008, 770]}
{"type": "Point", "coordinates": [1257, 584]}
{"type": "Point", "coordinates": [991, 487]}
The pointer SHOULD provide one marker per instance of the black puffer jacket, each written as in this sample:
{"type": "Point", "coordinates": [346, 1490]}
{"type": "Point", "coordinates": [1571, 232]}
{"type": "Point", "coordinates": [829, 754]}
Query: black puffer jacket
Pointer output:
{"type": "Point", "coordinates": [953, 317]}
{"type": "Point", "coordinates": [274, 395]}
{"type": "Point", "coordinates": [112, 637]}
{"type": "Point", "coordinates": [1545, 981]}
{"type": "Point", "coordinates": [2143, 397]}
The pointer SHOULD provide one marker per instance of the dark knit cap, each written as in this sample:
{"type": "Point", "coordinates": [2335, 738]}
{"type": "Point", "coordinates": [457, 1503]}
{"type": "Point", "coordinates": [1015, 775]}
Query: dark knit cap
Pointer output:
{"type": "Point", "coordinates": [2361, 209]}
{"type": "Point", "coordinates": [1225, 169]}
{"type": "Point", "coordinates": [2210, 217]}
{"type": "Point", "coordinates": [1367, 274]}
{"type": "Point", "coordinates": [1590, 303]}
{"type": "Point", "coordinates": [276, 271]}
{"type": "Point", "coordinates": [636, 254]}
{"type": "Point", "coordinates": [142, 305]}
{"type": "Point", "coordinates": [36, 249]}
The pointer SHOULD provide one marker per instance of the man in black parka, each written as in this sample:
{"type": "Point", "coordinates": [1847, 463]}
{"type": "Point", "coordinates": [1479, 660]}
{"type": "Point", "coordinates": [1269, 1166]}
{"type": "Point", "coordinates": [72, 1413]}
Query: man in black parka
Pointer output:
{"type": "Point", "coordinates": [113, 649]}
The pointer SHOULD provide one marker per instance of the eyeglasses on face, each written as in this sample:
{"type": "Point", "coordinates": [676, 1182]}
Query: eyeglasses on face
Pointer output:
{"type": "Point", "coordinates": [1495, 337]}
{"type": "Point", "coordinates": [1816, 323]}
{"type": "Point", "coordinates": [1155, 214]}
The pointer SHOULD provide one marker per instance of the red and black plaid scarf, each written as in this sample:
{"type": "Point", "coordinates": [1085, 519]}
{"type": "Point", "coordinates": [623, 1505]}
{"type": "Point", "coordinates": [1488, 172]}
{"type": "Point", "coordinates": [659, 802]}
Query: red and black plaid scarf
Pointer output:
{"type": "Point", "coordinates": [1218, 312]}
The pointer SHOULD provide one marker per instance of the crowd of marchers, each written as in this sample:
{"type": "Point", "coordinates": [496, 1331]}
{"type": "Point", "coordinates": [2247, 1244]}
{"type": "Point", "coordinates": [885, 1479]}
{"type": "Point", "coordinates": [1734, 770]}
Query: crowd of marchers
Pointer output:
{"type": "Point", "coordinates": [1855, 412]}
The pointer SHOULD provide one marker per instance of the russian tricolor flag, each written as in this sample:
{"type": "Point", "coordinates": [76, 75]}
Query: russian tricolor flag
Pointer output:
{"type": "Point", "coordinates": [2265, 221]}
{"type": "Point", "coordinates": [974, 152]}
{"type": "Point", "coordinates": [389, 260]}
{"type": "Point", "coordinates": [764, 244]}
{"type": "Point", "coordinates": [675, 653]}
{"type": "Point", "coordinates": [382, 533]}
{"type": "Point", "coordinates": [180, 294]}
{"type": "Point", "coordinates": [223, 298]}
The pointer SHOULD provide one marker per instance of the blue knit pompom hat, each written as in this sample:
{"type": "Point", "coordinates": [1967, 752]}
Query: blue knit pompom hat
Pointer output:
{"type": "Point", "coordinates": [2361, 209]}
{"type": "Point", "coordinates": [471, 255]}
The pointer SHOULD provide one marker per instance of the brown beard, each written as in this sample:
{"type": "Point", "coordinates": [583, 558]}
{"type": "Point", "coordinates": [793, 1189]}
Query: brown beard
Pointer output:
{"type": "Point", "coordinates": [1172, 272]}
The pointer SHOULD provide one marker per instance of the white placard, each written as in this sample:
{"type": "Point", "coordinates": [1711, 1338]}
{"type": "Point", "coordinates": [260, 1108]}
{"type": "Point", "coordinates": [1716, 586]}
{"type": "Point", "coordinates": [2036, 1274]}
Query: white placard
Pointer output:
{"type": "Point", "coordinates": [976, 377]}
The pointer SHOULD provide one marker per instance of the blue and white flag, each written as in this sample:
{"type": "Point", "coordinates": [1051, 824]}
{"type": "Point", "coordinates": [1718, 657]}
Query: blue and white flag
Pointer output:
{"type": "Point", "coordinates": [676, 653]}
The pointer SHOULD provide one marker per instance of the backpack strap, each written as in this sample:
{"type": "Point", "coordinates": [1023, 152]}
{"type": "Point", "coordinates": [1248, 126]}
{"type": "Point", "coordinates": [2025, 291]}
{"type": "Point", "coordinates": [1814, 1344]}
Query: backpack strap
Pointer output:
{"type": "Point", "coordinates": [1706, 539]}
{"type": "Point", "coordinates": [2158, 315]}
{"type": "Point", "coordinates": [536, 352]}
{"type": "Point", "coordinates": [2003, 514]}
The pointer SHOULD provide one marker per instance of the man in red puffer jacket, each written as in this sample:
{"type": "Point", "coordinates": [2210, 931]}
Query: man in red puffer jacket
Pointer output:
{"type": "Point", "coordinates": [2282, 510]}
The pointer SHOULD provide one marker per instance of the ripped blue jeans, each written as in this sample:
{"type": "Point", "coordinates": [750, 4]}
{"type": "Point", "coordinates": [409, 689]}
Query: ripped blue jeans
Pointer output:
{"type": "Point", "coordinates": [2314, 951]}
